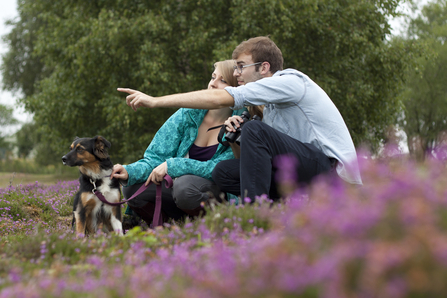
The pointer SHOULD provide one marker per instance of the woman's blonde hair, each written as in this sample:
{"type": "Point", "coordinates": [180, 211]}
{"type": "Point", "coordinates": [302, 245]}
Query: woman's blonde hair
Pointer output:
{"type": "Point", "coordinates": [227, 70]}
{"type": "Point", "coordinates": [256, 110]}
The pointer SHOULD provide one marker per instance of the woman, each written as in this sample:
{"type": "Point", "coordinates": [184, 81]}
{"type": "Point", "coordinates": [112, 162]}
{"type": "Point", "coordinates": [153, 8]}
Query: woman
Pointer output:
{"type": "Point", "coordinates": [185, 149]}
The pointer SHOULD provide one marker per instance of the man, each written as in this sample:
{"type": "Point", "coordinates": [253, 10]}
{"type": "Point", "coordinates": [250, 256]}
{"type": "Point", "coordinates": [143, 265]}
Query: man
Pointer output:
{"type": "Point", "coordinates": [299, 120]}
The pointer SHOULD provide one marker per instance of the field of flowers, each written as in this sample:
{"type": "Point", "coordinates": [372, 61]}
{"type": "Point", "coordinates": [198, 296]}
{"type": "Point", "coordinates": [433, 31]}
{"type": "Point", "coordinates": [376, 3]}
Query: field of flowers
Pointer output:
{"type": "Point", "coordinates": [385, 239]}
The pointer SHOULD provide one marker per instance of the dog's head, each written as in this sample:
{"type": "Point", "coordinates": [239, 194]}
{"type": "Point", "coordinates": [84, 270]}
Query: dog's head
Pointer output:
{"type": "Point", "coordinates": [87, 151]}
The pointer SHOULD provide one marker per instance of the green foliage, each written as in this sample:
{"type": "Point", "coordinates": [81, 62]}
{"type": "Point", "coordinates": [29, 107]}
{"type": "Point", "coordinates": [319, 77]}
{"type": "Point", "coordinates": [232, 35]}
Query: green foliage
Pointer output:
{"type": "Point", "coordinates": [81, 51]}
{"type": "Point", "coordinates": [21, 67]}
{"type": "Point", "coordinates": [425, 93]}
{"type": "Point", "coordinates": [26, 139]}
{"type": "Point", "coordinates": [6, 119]}
{"type": "Point", "coordinates": [31, 140]}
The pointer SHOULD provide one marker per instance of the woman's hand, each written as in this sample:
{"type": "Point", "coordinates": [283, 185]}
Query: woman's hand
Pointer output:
{"type": "Point", "coordinates": [119, 172]}
{"type": "Point", "coordinates": [158, 174]}
{"type": "Point", "coordinates": [233, 121]}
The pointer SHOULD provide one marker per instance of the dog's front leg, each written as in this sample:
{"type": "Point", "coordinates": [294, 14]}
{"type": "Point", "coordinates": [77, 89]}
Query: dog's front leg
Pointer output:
{"type": "Point", "coordinates": [80, 226]}
{"type": "Point", "coordinates": [88, 213]}
{"type": "Point", "coordinates": [116, 225]}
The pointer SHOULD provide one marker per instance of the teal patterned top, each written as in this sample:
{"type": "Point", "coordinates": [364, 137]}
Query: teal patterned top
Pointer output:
{"type": "Point", "coordinates": [172, 143]}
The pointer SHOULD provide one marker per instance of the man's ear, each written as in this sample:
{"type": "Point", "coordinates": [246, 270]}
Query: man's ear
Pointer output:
{"type": "Point", "coordinates": [101, 146]}
{"type": "Point", "coordinates": [265, 69]}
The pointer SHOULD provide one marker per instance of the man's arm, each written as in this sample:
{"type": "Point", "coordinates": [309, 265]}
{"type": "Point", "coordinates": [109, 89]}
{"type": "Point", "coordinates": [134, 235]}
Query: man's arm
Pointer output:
{"type": "Point", "coordinates": [203, 99]}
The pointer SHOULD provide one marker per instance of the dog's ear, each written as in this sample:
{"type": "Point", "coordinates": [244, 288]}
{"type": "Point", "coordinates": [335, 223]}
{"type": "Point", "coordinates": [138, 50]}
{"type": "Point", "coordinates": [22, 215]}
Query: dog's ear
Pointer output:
{"type": "Point", "coordinates": [75, 138]}
{"type": "Point", "coordinates": [101, 146]}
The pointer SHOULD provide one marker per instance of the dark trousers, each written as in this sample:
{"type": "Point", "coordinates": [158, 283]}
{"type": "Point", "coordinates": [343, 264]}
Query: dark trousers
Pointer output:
{"type": "Point", "coordinates": [254, 173]}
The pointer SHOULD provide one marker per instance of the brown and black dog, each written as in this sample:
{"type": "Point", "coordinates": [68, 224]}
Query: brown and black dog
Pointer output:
{"type": "Point", "coordinates": [95, 166]}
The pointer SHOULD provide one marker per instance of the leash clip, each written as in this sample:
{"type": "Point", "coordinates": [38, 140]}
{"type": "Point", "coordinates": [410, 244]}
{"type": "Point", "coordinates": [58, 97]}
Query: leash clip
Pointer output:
{"type": "Point", "coordinates": [94, 186]}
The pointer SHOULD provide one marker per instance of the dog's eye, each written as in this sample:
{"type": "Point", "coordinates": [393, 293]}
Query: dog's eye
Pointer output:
{"type": "Point", "coordinates": [80, 150]}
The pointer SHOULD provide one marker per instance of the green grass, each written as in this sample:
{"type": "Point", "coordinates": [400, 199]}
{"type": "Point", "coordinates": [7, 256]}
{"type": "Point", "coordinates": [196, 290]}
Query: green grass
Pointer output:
{"type": "Point", "coordinates": [25, 171]}
{"type": "Point", "coordinates": [14, 179]}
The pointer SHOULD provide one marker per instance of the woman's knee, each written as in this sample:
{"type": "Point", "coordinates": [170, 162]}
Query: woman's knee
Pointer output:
{"type": "Point", "coordinates": [189, 191]}
{"type": "Point", "coordinates": [184, 192]}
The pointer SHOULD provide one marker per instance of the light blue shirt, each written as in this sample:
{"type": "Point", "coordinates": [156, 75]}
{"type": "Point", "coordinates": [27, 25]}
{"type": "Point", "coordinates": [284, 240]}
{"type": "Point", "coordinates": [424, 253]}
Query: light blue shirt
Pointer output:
{"type": "Point", "coordinates": [298, 107]}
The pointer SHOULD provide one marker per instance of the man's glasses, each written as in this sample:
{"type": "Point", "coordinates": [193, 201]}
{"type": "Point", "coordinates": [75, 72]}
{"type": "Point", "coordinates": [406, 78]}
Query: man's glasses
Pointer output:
{"type": "Point", "coordinates": [240, 67]}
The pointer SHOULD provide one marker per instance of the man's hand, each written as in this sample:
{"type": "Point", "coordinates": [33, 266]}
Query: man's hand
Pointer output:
{"type": "Point", "coordinates": [137, 99]}
{"type": "Point", "coordinates": [158, 174]}
{"type": "Point", "coordinates": [232, 122]}
{"type": "Point", "coordinates": [119, 172]}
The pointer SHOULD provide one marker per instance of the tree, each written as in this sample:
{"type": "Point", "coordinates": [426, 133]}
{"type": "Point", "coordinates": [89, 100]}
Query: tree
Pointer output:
{"type": "Point", "coordinates": [6, 119]}
{"type": "Point", "coordinates": [88, 48]}
{"type": "Point", "coordinates": [425, 93]}
{"type": "Point", "coordinates": [22, 68]}
{"type": "Point", "coordinates": [27, 137]}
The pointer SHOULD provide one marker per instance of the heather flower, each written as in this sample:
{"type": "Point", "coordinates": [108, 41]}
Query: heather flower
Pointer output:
{"type": "Point", "coordinates": [14, 275]}
{"type": "Point", "coordinates": [385, 239]}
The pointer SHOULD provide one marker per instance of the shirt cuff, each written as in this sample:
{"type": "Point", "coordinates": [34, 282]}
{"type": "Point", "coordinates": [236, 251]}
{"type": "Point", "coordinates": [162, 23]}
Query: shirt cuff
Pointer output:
{"type": "Point", "coordinates": [238, 98]}
{"type": "Point", "coordinates": [169, 164]}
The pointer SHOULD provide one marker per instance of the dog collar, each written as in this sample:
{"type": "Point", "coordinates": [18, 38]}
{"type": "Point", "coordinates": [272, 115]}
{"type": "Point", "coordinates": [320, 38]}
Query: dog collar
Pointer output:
{"type": "Point", "coordinates": [94, 184]}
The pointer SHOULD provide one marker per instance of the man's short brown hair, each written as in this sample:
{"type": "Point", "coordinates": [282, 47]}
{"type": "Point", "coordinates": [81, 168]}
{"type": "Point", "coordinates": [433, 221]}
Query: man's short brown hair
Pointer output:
{"type": "Point", "coordinates": [261, 49]}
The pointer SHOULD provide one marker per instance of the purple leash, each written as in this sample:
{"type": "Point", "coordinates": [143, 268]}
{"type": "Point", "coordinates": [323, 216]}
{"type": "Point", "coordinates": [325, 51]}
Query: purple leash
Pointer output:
{"type": "Point", "coordinates": [157, 220]}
